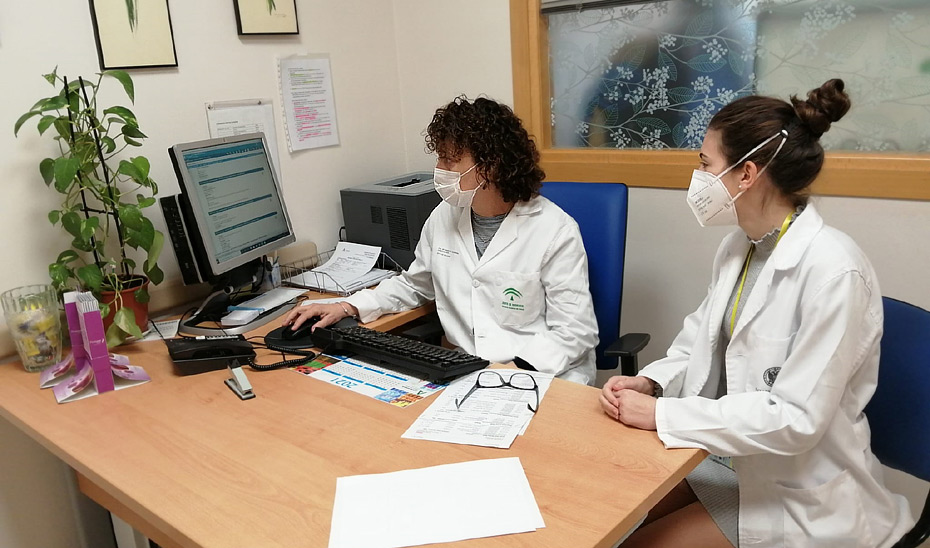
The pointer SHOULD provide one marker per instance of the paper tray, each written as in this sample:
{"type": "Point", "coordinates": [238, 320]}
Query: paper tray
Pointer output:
{"type": "Point", "coordinates": [300, 274]}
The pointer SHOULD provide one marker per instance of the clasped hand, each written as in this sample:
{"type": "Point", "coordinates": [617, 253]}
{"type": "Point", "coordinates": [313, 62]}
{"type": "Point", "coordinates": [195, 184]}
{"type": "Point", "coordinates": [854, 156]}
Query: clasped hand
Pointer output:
{"type": "Point", "coordinates": [630, 401]}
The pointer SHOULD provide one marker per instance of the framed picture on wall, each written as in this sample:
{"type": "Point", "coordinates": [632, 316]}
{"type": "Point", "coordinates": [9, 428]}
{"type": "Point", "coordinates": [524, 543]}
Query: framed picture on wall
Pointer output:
{"type": "Point", "coordinates": [133, 33]}
{"type": "Point", "coordinates": [266, 16]}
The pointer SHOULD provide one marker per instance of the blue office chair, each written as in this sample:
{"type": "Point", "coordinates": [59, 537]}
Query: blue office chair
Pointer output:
{"type": "Point", "coordinates": [899, 413]}
{"type": "Point", "coordinates": [600, 209]}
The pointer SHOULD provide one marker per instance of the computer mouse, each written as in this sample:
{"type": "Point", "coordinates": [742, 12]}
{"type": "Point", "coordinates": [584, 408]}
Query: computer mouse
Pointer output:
{"type": "Point", "coordinates": [301, 332]}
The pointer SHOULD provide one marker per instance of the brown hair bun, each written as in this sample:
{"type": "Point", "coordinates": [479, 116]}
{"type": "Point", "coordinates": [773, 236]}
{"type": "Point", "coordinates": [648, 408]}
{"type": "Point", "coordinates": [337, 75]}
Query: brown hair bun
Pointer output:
{"type": "Point", "coordinates": [824, 105]}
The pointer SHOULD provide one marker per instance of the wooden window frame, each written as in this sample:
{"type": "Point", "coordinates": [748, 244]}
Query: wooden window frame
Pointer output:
{"type": "Point", "coordinates": [863, 174]}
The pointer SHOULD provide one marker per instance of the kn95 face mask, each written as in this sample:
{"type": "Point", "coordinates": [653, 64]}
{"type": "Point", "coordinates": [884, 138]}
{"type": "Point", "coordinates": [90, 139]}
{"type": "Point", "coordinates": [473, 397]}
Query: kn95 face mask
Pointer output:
{"type": "Point", "coordinates": [449, 186]}
{"type": "Point", "coordinates": [708, 197]}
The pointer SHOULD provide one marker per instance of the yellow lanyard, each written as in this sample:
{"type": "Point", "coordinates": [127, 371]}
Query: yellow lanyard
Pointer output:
{"type": "Point", "coordinates": [739, 292]}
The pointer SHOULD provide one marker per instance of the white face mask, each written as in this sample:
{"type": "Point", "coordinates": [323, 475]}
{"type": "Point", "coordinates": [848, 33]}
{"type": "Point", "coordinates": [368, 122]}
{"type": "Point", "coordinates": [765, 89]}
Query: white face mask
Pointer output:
{"type": "Point", "coordinates": [449, 186]}
{"type": "Point", "coordinates": [709, 198]}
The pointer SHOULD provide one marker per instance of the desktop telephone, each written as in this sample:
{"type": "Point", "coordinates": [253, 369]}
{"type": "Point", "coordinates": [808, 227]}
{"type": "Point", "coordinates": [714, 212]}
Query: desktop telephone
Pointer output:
{"type": "Point", "coordinates": [201, 354]}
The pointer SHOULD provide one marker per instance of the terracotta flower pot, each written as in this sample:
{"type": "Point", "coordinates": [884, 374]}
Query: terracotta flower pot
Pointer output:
{"type": "Point", "coordinates": [140, 310]}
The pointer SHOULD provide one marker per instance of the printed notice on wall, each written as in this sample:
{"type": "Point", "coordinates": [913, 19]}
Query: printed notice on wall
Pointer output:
{"type": "Point", "coordinates": [230, 118]}
{"type": "Point", "coordinates": [309, 107]}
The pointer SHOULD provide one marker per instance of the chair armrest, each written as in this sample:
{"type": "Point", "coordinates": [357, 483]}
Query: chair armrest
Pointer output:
{"type": "Point", "coordinates": [628, 345]}
{"type": "Point", "coordinates": [626, 348]}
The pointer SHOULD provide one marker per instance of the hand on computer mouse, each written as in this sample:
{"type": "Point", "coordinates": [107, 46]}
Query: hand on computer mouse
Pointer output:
{"type": "Point", "coordinates": [303, 331]}
{"type": "Point", "coordinates": [327, 314]}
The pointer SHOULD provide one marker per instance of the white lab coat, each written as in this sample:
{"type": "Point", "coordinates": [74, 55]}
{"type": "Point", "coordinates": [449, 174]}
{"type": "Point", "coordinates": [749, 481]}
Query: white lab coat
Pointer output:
{"type": "Point", "coordinates": [528, 296]}
{"type": "Point", "coordinates": [801, 366]}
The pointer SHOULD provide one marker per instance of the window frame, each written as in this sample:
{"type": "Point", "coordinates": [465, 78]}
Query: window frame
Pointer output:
{"type": "Point", "coordinates": [861, 174]}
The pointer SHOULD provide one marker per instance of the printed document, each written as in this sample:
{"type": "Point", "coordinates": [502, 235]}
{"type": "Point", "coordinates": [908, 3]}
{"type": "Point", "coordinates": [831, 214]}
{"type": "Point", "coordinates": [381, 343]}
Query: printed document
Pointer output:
{"type": "Point", "coordinates": [349, 262]}
{"type": "Point", "coordinates": [490, 417]}
{"type": "Point", "coordinates": [490, 497]}
{"type": "Point", "coordinates": [230, 118]}
{"type": "Point", "coordinates": [306, 84]}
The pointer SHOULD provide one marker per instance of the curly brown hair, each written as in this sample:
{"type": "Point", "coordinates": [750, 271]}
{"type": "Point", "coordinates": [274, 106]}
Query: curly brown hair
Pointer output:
{"type": "Point", "coordinates": [494, 136]}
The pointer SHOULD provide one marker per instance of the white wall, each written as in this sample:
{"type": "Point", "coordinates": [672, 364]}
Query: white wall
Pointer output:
{"type": "Point", "coordinates": [446, 48]}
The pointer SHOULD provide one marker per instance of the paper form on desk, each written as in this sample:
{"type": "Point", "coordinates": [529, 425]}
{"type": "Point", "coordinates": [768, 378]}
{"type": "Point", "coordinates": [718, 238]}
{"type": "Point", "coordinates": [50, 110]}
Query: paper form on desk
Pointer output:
{"type": "Point", "coordinates": [489, 497]}
{"type": "Point", "coordinates": [490, 417]}
{"type": "Point", "coordinates": [364, 377]}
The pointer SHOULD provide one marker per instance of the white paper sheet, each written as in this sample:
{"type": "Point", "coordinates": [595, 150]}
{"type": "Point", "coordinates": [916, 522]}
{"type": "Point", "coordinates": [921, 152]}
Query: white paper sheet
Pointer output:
{"type": "Point", "coordinates": [229, 118]}
{"type": "Point", "coordinates": [309, 107]}
{"type": "Point", "coordinates": [490, 417]}
{"type": "Point", "coordinates": [466, 500]}
{"type": "Point", "coordinates": [166, 329]}
{"type": "Point", "coordinates": [349, 262]}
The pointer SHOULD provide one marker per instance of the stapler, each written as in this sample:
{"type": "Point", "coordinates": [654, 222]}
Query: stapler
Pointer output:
{"type": "Point", "coordinates": [238, 383]}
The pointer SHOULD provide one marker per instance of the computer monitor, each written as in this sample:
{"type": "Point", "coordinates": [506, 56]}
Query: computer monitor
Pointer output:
{"type": "Point", "coordinates": [228, 216]}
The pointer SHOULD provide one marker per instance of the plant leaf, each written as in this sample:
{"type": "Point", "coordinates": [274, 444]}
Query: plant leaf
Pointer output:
{"type": "Point", "coordinates": [84, 244]}
{"type": "Point", "coordinates": [53, 103]}
{"type": "Point", "coordinates": [54, 216]}
{"type": "Point", "coordinates": [130, 130]}
{"type": "Point", "coordinates": [67, 256]}
{"type": "Point", "coordinates": [46, 121]}
{"type": "Point", "coordinates": [142, 163]}
{"type": "Point", "coordinates": [22, 120]}
{"type": "Point", "coordinates": [158, 240]}
{"type": "Point", "coordinates": [124, 79]}
{"type": "Point", "coordinates": [131, 170]}
{"type": "Point", "coordinates": [142, 295]}
{"type": "Point", "coordinates": [88, 226]}
{"type": "Point", "coordinates": [52, 76]}
{"type": "Point", "coordinates": [123, 113]}
{"type": "Point", "coordinates": [145, 202]}
{"type": "Point", "coordinates": [65, 171]}
{"type": "Point", "coordinates": [126, 321]}
{"type": "Point", "coordinates": [155, 275]}
{"type": "Point", "coordinates": [131, 216]}
{"type": "Point", "coordinates": [47, 169]}
{"type": "Point", "coordinates": [115, 335]}
{"type": "Point", "coordinates": [131, 142]}
{"type": "Point", "coordinates": [90, 276]}
{"type": "Point", "coordinates": [108, 143]}
{"type": "Point", "coordinates": [59, 273]}
{"type": "Point", "coordinates": [72, 223]}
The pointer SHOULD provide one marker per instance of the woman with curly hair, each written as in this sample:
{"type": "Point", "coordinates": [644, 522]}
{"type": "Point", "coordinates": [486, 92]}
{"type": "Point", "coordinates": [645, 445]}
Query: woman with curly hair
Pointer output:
{"type": "Point", "coordinates": [506, 266]}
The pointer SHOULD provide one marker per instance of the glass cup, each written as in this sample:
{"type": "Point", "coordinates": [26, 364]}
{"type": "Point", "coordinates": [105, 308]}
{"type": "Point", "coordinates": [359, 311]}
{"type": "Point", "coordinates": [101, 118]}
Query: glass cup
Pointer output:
{"type": "Point", "coordinates": [31, 313]}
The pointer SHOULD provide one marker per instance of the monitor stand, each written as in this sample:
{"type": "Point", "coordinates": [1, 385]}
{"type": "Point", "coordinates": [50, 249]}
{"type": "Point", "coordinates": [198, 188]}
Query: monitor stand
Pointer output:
{"type": "Point", "coordinates": [215, 305]}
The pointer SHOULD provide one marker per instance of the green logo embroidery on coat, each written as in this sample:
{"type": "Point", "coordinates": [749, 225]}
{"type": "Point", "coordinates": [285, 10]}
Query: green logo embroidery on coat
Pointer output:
{"type": "Point", "coordinates": [509, 304]}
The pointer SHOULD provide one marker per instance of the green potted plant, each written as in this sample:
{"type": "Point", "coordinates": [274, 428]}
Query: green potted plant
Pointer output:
{"type": "Point", "coordinates": [104, 197]}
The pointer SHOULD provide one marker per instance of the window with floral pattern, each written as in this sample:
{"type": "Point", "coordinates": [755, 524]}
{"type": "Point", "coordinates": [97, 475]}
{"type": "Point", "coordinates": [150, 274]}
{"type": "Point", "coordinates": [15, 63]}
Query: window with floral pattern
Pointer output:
{"type": "Point", "coordinates": [651, 75]}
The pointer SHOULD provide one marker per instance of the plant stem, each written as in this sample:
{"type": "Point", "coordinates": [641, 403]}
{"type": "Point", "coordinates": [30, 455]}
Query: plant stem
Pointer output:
{"type": "Point", "coordinates": [93, 240]}
{"type": "Point", "coordinates": [106, 177]}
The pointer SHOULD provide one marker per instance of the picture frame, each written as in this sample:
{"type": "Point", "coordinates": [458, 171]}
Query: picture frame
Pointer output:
{"type": "Point", "coordinates": [264, 17]}
{"type": "Point", "coordinates": [133, 34]}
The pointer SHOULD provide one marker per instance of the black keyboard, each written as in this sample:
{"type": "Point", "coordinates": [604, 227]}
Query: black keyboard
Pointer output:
{"type": "Point", "coordinates": [436, 363]}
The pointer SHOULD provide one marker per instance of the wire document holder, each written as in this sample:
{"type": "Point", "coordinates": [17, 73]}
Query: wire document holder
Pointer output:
{"type": "Point", "coordinates": [300, 274]}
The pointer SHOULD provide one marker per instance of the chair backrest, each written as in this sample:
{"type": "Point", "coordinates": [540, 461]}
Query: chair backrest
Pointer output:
{"type": "Point", "coordinates": [899, 413]}
{"type": "Point", "coordinates": [600, 209]}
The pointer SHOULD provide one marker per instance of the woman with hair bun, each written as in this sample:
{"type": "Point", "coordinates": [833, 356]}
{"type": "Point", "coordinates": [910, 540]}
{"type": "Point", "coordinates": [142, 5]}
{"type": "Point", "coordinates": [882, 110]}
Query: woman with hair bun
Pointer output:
{"type": "Point", "coordinates": [772, 372]}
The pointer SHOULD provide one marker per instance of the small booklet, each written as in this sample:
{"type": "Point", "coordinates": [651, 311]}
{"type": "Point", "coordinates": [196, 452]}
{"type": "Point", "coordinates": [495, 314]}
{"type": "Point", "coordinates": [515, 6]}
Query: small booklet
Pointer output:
{"type": "Point", "coordinates": [70, 382]}
{"type": "Point", "coordinates": [79, 382]}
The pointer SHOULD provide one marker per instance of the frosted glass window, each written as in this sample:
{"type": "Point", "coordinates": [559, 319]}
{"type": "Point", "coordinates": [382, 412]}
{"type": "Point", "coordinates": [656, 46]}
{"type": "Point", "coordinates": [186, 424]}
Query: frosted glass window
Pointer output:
{"type": "Point", "coordinates": [652, 75]}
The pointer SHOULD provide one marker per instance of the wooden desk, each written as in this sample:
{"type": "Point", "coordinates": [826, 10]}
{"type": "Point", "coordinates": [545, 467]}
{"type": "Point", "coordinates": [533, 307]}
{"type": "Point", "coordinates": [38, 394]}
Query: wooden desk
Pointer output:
{"type": "Point", "coordinates": [188, 464]}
